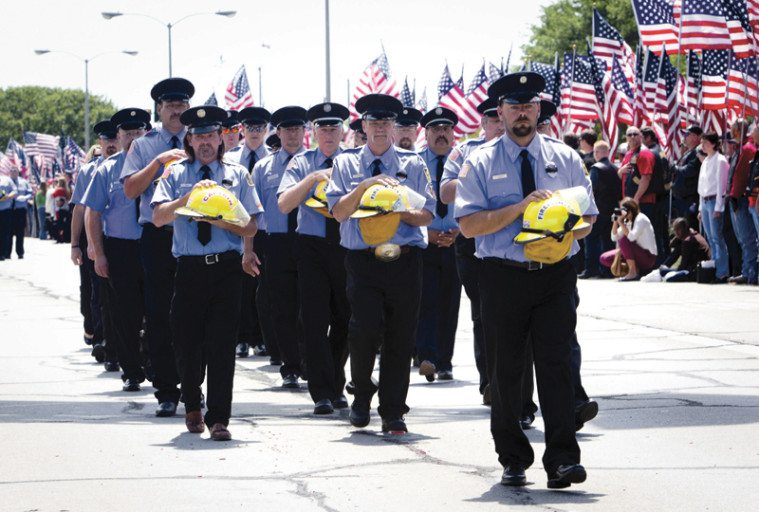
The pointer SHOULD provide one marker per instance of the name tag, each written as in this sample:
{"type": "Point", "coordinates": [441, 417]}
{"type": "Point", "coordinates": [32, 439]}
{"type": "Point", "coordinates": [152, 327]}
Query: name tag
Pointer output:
{"type": "Point", "coordinates": [499, 176]}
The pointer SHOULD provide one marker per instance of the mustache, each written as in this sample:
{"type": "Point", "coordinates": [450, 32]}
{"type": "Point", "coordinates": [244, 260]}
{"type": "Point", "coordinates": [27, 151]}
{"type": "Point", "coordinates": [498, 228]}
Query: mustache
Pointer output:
{"type": "Point", "coordinates": [441, 138]}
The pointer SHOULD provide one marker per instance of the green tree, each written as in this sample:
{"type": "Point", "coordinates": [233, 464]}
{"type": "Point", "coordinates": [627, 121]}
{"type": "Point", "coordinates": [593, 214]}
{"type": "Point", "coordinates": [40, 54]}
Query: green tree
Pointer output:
{"type": "Point", "coordinates": [569, 22]}
{"type": "Point", "coordinates": [48, 110]}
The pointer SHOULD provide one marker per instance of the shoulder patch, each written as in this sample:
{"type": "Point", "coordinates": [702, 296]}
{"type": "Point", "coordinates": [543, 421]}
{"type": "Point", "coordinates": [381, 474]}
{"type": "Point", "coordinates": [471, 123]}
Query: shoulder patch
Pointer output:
{"type": "Point", "coordinates": [151, 133]}
{"type": "Point", "coordinates": [464, 170]}
{"type": "Point", "coordinates": [455, 155]}
{"type": "Point", "coordinates": [427, 174]}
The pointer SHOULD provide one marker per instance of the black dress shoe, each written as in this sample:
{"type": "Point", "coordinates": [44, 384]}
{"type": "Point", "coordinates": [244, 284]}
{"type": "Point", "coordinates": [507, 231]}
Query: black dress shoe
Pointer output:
{"type": "Point", "coordinates": [88, 339]}
{"type": "Point", "coordinates": [324, 407]}
{"type": "Point", "coordinates": [98, 352]}
{"type": "Point", "coordinates": [513, 476]}
{"type": "Point", "coordinates": [111, 366]}
{"type": "Point", "coordinates": [567, 475]}
{"type": "Point", "coordinates": [394, 426]}
{"type": "Point", "coordinates": [584, 413]}
{"type": "Point", "coordinates": [290, 381]}
{"type": "Point", "coordinates": [359, 416]}
{"type": "Point", "coordinates": [260, 350]}
{"type": "Point", "coordinates": [340, 403]}
{"type": "Point", "coordinates": [131, 385]}
{"type": "Point", "coordinates": [526, 421]}
{"type": "Point", "coordinates": [445, 375]}
{"type": "Point", "coordinates": [166, 409]}
{"type": "Point", "coordinates": [486, 399]}
{"type": "Point", "coordinates": [243, 350]}
{"type": "Point", "coordinates": [275, 362]}
{"type": "Point", "coordinates": [587, 275]}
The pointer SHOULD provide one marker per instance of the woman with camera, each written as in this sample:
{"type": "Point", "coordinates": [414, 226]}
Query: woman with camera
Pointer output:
{"type": "Point", "coordinates": [712, 187]}
{"type": "Point", "coordinates": [636, 242]}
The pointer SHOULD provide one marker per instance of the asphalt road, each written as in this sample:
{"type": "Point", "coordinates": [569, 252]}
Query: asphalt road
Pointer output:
{"type": "Point", "coordinates": [674, 368]}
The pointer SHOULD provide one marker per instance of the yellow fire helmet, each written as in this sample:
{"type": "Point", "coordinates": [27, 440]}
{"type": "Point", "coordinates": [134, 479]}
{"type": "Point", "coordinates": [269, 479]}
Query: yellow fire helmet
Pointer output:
{"type": "Point", "coordinates": [547, 225]}
{"type": "Point", "coordinates": [214, 203]}
{"type": "Point", "coordinates": [318, 201]}
{"type": "Point", "coordinates": [379, 211]}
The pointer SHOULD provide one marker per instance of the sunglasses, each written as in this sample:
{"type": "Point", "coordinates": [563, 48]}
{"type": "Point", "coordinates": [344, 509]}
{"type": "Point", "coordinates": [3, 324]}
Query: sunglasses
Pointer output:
{"type": "Point", "coordinates": [234, 129]}
{"type": "Point", "coordinates": [257, 128]}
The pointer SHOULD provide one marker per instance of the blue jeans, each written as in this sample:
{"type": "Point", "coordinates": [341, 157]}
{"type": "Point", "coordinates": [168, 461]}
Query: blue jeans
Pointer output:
{"type": "Point", "coordinates": [745, 232]}
{"type": "Point", "coordinates": [42, 223]}
{"type": "Point", "coordinates": [755, 216]}
{"type": "Point", "coordinates": [713, 231]}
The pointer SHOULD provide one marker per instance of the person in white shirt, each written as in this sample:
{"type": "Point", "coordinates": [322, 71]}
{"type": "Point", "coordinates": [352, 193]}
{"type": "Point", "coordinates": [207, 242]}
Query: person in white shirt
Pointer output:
{"type": "Point", "coordinates": [636, 241]}
{"type": "Point", "coordinates": [712, 187]}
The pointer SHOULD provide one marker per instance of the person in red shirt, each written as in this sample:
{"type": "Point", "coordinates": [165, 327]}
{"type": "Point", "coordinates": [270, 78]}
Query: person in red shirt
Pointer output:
{"type": "Point", "coordinates": [738, 200]}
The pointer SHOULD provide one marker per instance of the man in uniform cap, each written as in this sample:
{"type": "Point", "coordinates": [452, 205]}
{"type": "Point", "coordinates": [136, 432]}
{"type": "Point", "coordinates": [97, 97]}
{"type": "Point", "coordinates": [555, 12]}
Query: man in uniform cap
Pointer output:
{"type": "Point", "coordinates": [94, 307]}
{"type": "Point", "coordinates": [279, 245]}
{"type": "Point", "coordinates": [273, 143]}
{"type": "Point", "coordinates": [205, 309]}
{"type": "Point", "coordinates": [547, 111]}
{"type": "Point", "coordinates": [384, 294]}
{"type": "Point", "coordinates": [522, 298]}
{"type": "Point", "coordinates": [321, 271]}
{"type": "Point", "coordinates": [406, 125]}
{"type": "Point", "coordinates": [114, 234]}
{"type": "Point", "coordinates": [359, 136]}
{"type": "Point", "coordinates": [441, 287]}
{"type": "Point", "coordinates": [143, 169]}
{"type": "Point", "coordinates": [230, 130]}
{"type": "Point", "coordinates": [256, 327]}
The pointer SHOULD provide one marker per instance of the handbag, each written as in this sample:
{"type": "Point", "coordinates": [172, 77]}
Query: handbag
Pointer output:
{"type": "Point", "coordinates": [619, 266]}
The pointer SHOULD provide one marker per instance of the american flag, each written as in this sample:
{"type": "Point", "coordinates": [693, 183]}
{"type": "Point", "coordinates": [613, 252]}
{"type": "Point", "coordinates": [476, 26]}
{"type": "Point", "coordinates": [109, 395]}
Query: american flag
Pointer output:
{"type": "Point", "coordinates": [407, 97]}
{"type": "Point", "coordinates": [578, 95]}
{"type": "Point", "coordinates": [718, 120]}
{"type": "Point", "coordinates": [753, 14]}
{"type": "Point", "coordinates": [656, 24]}
{"type": "Point", "coordinates": [15, 154]}
{"type": "Point", "coordinates": [238, 95]}
{"type": "Point", "coordinates": [714, 79]}
{"type": "Point", "coordinates": [704, 26]}
{"type": "Point", "coordinates": [41, 144]}
{"type": "Point", "coordinates": [212, 100]}
{"type": "Point", "coordinates": [5, 165]}
{"type": "Point", "coordinates": [738, 25]}
{"type": "Point", "coordinates": [693, 88]}
{"type": "Point", "coordinates": [668, 102]}
{"type": "Point", "coordinates": [478, 88]}
{"type": "Point", "coordinates": [577, 126]}
{"type": "Point", "coordinates": [619, 89]}
{"type": "Point", "coordinates": [494, 72]}
{"type": "Point", "coordinates": [648, 85]}
{"type": "Point", "coordinates": [606, 108]}
{"type": "Point", "coordinates": [743, 89]}
{"type": "Point", "coordinates": [552, 91]}
{"type": "Point", "coordinates": [421, 104]}
{"type": "Point", "coordinates": [608, 43]}
{"type": "Point", "coordinates": [72, 157]}
{"type": "Point", "coordinates": [451, 95]}
{"type": "Point", "coordinates": [375, 79]}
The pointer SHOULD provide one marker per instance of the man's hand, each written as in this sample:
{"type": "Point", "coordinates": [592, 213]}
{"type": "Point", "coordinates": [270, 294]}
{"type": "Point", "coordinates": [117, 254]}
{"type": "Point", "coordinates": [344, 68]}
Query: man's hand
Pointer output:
{"type": "Point", "coordinates": [322, 175]}
{"type": "Point", "coordinates": [380, 179]}
{"type": "Point", "coordinates": [91, 252]}
{"type": "Point", "coordinates": [624, 170]}
{"type": "Point", "coordinates": [538, 195]}
{"type": "Point", "coordinates": [717, 215]}
{"type": "Point", "coordinates": [172, 154]}
{"type": "Point", "coordinates": [251, 263]}
{"type": "Point", "coordinates": [76, 255]}
{"type": "Point", "coordinates": [101, 265]}
{"type": "Point", "coordinates": [203, 184]}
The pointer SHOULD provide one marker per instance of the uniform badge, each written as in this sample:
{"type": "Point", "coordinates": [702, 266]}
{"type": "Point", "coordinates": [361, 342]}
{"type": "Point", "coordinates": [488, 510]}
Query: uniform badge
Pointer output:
{"type": "Point", "coordinates": [551, 169]}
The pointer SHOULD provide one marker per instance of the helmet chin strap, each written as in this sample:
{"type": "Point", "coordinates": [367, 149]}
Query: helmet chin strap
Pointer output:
{"type": "Point", "coordinates": [572, 219]}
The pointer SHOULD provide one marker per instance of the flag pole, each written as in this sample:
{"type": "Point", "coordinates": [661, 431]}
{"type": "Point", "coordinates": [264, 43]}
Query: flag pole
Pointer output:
{"type": "Point", "coordinates": [571, 83]}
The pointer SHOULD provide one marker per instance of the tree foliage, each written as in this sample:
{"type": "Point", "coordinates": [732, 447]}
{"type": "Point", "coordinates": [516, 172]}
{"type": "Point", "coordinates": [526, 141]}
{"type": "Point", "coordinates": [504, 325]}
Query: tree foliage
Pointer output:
{"type": "Point", "coordinates": [48, 110]}
{"type": "Point", "coordinates": [569, 22]}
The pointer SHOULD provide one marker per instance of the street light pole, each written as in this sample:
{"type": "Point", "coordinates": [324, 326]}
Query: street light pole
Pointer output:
{"type": "Point", "coordinates": [168, 26]}
{"type": "Point", "coordinates": [260, 89]}
{"type": "Point", "coordinates": [328, 94]}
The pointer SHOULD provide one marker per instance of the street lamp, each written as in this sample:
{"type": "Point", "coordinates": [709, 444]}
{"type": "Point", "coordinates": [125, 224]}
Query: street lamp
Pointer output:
{"type": "Point", "coordinates": [327, 93]}
{"type": "Point", "coordinates": [86, 61]}
{"type": "Point", "coordinates": [169, 25]}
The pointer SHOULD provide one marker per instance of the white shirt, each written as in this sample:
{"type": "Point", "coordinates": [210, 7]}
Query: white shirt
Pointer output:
{"type": "Point", "coordinates": [712, 180]}
{"type": "Point", "coordinates": [49, 201]}
{"type": "Point", "coordinates": [642, 233]}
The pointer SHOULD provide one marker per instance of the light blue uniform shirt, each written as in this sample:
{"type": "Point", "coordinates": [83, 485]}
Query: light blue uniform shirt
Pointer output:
{"type": "Point", "coordinates": [241, 155]}
{"type": "Point", "coordinates": [310, 222]}
{"type": "Point", "coordinates": [491, 178]}
{"type": "Point", "coordinates": [449, 221]}
{"type": "Point", "coordinates": [141, 153]}
{"type": "Point", "coordinates": [267, 175]}
{"type": "Point", "coordinates": [6, 185]}
{"type": "Point", "coordinates": [24, 191]}
{"type": "Point", "coordinates": [183, 176]}
{"type": "Point", "coordinates": [83, 179]}
{"type": "Point", "coordinates": [105, 194]}
{"type": "Point", "coordinates": [353, 166]}
{"type": "Point", "coordinates": [457, 157]}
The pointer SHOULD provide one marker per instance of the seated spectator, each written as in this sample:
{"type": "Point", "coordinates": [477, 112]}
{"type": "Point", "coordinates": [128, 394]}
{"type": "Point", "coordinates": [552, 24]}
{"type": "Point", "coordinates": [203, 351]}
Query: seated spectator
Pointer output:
{"type": "Point", "coordinates": [636, 242]}
{"type": "Point", "coordinates": [712, 188]}
{"type": "Point", "coordinates": [690, 248]}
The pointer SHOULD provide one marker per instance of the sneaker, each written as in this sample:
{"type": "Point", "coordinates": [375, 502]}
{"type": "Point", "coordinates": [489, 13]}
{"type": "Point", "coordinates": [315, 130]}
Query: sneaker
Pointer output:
{"type": "Point", "coordinates": [243, 350]}
{"type": "Point", "coordinates": [394, 426]}
{"type": "Point", "coordinates": [737, 280]}
{"type": "Point", "coordinates": [445, 375]}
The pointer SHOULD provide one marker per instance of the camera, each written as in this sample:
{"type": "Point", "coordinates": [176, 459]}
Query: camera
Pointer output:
{"type": "Point", "coordinates": [618, 212]}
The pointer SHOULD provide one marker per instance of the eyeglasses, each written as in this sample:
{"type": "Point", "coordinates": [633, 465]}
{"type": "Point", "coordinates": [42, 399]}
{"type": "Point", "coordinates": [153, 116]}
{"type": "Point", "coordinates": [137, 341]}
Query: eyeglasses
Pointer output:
{"type": "Point", "coordinates": [233, 129]}
{"type": "Point", "coordinates": [257, 128]}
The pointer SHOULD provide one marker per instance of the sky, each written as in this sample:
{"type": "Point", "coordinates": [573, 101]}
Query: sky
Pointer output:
{"type": "Point", "coordinates": [285, 39]}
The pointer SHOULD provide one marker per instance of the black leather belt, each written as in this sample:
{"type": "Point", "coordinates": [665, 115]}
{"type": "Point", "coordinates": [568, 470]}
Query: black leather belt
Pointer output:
{"type": "Point", "coordinates": [210, 259]}
{"type": "Point", "coordinates": [524, 265]}
{"type": "Point", "coordinates": [709, 198]}
{"type": "Point", "coordinates": [168, 228]}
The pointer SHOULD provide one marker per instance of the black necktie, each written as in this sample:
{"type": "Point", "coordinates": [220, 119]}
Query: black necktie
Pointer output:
{"type": "Point", "coordinates": [440, 208]}
{"type": "Point", "coordinates": [332, 232]}
{"type": "Point", "coordinates": [292, 217]}
{"type": "Point", "coordinates": [376, 167]}
{"type": "Point", "coordinates": [528, 180]}
{"type": "Point", "coordinates": [204, 228]}
{"type": "Point", "coordinates": [253, 160]}
{"type": "Point", "coordinates": [174, 142]}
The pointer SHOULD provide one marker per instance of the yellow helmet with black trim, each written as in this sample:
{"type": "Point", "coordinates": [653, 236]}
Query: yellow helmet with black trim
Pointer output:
{"type": "Point", "coordinates": [318, 200]}
{"type": "Point", "coordinates": [214, 203]}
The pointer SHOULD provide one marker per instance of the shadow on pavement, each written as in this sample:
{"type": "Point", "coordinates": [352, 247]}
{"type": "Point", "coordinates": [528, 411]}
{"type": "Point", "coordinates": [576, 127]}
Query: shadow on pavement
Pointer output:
{"type": "Point", "coordinates": [526, 496]}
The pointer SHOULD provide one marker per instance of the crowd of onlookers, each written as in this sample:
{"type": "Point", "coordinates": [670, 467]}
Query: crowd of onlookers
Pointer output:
{"type": "Point", "coordinates": [692, 219]}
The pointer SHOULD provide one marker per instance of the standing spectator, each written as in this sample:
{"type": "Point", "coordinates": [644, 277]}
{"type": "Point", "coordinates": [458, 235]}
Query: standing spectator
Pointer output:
{"type": "Point", "coordinates": [738, 192]}
{"type": "Point", "coordinates": [23, 196]}
{"type": "Point", "coordinates": [685, 177]}
{"type": "Point", "coordinates": [572, 140]}
{"type": "Point", "coordinates": [712, 187]}
{"type": "Point", "coordinates": [753, 183]}
{"type": "Point", "coordinates": [61, 214]}
{"type": "Point", "coordinates": [607, 191]}
{"type": "Point", "coordinates": [689, 247]}
{"type": "Point", "coordinates": [588, 140]}
{"type": "Point", "coordinates": [658, 186]}
{"type": "Point", "coordinates": [39, 203]}
{"type": "Point", "coordinates": [7, 197]}
{"type": "Point", "coordinates": [634, 234]}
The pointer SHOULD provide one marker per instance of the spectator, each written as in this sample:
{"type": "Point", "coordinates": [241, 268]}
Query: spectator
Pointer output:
{"type": "Point", "coordinates": [634, 234]}
{"type": "Point", "coordinates": [588, 139]}
{"type": "Point", "coordinates": [737, 192]}
{"type": "Point", "coordinates": [712, 187]}
{"type": "Point", "coordinates": [572, 140]}
{"type": "Point", "coordinates": [61, 215]}
{"type": "Point", "coordinates": [607, 191]}
{"type": "Point", "coordinates": [39, 202]}
{"type": "Point", "coordinates": [753, 183]}
{"type": "Point", "coordinates": [685, 184]}
{"type": "Point", "coordinates": [689, 247]}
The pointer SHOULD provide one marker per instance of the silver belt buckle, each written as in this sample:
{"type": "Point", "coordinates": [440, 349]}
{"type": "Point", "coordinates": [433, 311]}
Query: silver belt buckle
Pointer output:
{"type": "Point", "coordinates": [534, 265]}
{"type": "Point", "coordinates": [211, 259]}
{"type": "Point", "coordinates": [387, 252]}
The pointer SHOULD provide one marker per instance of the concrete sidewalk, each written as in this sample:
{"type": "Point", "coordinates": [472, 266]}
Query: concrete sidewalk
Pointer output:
{"type": "Point", "coordinates": [674, 367]}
